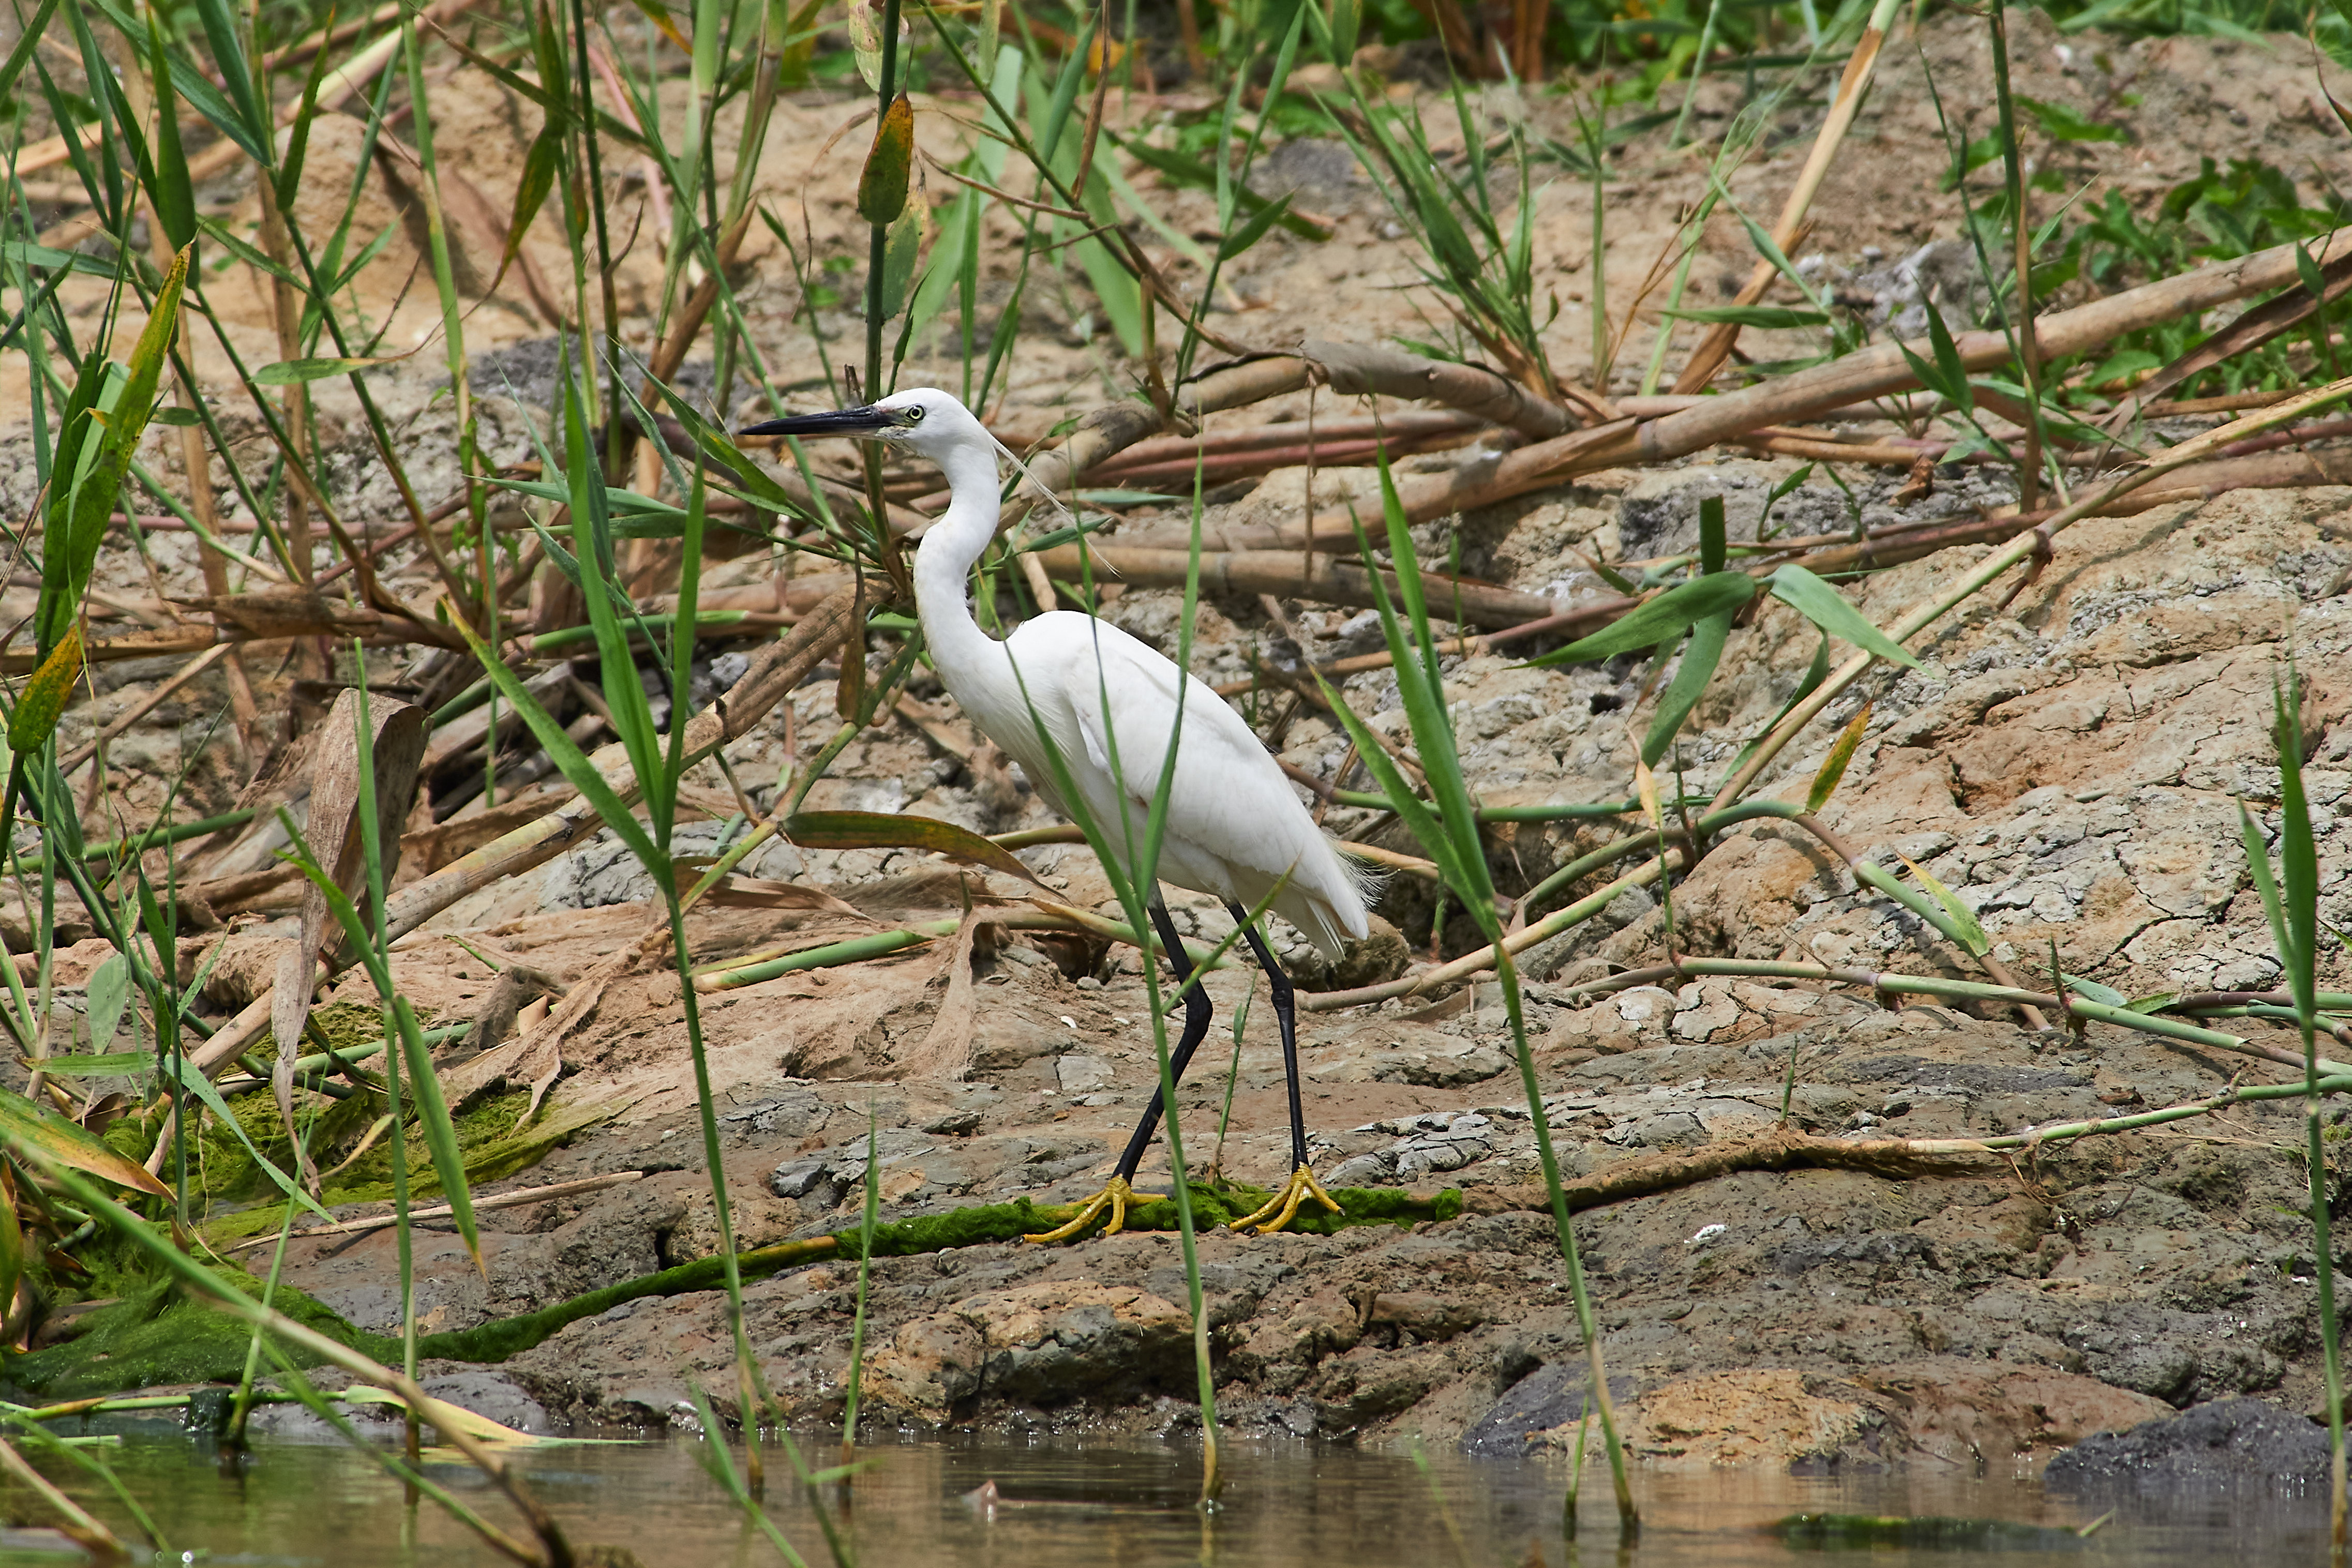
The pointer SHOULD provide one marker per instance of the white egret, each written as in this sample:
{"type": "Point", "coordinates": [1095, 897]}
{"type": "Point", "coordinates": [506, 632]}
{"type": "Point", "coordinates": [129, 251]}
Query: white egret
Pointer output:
{"type": "Point", "coordinates": [1234, 829]}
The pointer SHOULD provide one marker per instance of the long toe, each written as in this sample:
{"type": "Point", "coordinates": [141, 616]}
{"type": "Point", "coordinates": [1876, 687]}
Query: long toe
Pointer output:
{"type": "Point", "coordinates": [1115, 1197]}
{"type": "Point", "coordinates": [1282, 1207]}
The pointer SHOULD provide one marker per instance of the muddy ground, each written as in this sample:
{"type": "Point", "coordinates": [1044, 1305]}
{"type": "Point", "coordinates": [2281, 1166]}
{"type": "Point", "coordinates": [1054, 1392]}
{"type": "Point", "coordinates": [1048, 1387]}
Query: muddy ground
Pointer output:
{"type": "Point", "coordinates": [2070, 763]}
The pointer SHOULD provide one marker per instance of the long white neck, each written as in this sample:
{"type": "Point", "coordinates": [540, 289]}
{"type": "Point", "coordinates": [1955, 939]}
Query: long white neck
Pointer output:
{"type": "Point", "coordinates": [943, 566]}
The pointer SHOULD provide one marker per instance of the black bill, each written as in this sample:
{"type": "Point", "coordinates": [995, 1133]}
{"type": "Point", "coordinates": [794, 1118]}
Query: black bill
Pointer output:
{"type": "Point", "coordinates": [865, 421]}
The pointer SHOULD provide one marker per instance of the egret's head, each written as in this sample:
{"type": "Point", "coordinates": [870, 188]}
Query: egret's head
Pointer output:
{"type": "Point", "coordinates": [924, 419]}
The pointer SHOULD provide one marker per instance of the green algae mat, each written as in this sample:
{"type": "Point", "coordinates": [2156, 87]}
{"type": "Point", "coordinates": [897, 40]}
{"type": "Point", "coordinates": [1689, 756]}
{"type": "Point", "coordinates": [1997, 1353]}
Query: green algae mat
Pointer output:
{"type": "Point", "coordinates": [155, 1335]}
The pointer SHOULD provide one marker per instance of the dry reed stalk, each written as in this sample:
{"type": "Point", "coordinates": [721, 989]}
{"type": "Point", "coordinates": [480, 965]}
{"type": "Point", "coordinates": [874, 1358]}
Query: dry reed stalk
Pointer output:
{"type": "Point", "coordinates": [1715, 347]}
{"type": "Point", "coordinates": [1289, 575]}
{"type": "Point", "coordinates": [1881, 370]}
{"type": "Point", "coordinates": [775, 670]}
{"type": "Point", "coordinates": [1367, 369]}
{"type": "Point", "coordinates": [146, 704]}
{"type": "Point", "coordinates": [1358, 368]}
{"type": "Point", "coordinates": [2248, 332]}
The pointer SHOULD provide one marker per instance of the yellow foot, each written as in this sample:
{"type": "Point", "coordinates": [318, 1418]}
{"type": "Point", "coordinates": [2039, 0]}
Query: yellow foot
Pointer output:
{"type": "Point", "coordinates": [1115, 1197]}
{"type": "Point", "coordinates": [1284, 1205]}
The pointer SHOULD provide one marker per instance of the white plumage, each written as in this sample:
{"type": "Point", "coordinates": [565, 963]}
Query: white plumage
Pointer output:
{"type": "Point", "coordinates": [1235, 829]}
{"type": "Point", "coordinates": [1108, 704]}
{"type": "Point", "coordinates": [1235, 825]}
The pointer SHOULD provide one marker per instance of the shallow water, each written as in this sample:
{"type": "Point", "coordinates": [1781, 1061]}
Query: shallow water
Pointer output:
{"type": "Point", "coordinates": [1060, 1505]}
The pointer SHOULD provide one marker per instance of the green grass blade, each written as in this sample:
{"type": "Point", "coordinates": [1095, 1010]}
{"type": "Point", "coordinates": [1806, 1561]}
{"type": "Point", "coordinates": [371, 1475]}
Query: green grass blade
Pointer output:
{"type": "Point", "coordinates": [1826, 608]}
{"type": "Point", "coordinates": [1670, 614]}
{"type": "Point", "coordinates": [592, 542]}
{"type": "Point", "coordinates": [1963, 919]}
{"type": "Point", "coordinates": [31, 36]}
{"type": "Point", "coordinates": [2298, 856]}
{"type": "Point", "coordinates": [237, 78]}
{"type": "Point", "coordinates": [1713, 548]}
{"type": "Point", "coordinates": [573, 763]}
{"type": "Point", "coordinates": [440, 1133]}
{"type": "Point", "coordinates": [176, 200]}
{"type": "Point", "coordinates": [1700, 658]}
{"type": "Point", "coordinates": [79, 516]}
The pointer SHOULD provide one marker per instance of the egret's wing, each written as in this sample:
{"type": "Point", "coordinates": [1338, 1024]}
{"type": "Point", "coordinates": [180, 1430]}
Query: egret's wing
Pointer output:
{"type": "Point", "coordinates": [1227, 798]}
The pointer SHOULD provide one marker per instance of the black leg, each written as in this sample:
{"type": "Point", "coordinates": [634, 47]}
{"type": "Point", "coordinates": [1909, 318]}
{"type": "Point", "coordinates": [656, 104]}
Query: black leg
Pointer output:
{"type": "Point", "coordinates": [1285, 1016]}
{"type": "Point", "coordinates": [1196, 1029]}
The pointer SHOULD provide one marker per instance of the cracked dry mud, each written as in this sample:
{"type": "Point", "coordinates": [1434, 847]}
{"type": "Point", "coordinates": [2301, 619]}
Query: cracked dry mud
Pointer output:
{"type": "Point", "coordinates": [2071, 765]}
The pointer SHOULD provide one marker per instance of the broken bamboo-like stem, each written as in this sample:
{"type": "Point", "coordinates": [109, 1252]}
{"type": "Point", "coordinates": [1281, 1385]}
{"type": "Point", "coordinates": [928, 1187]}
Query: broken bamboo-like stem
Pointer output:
{"type": "Point", "coordinates": [1294, 575]}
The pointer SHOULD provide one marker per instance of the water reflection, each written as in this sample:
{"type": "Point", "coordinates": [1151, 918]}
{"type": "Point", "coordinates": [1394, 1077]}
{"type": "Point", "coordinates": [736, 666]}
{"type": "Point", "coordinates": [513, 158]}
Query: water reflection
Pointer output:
{"type": "Point", "coordinates": [1060, 1503]}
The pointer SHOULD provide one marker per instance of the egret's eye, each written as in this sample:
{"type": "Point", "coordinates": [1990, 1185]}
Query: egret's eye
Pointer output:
{"type": "Point", "coordinates": [915, 415]}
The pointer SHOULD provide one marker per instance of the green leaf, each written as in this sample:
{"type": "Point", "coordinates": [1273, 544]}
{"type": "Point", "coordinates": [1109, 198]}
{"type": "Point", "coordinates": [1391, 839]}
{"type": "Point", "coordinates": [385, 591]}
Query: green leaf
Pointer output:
{"type": "Point", "coordinates": [1883, 880]}
{"type": "Point", "coordinates": [1834, 765]}
{"type": "Point", "coordinates": [2092, 991]}
{"type": "Point", "coordinates": [889, 164]}
{"type": "Point", "coordinates": [1764, 317]}
{"type": "Point", "coordinates": [25, 41]}
{"type": "Point", "coordinates": [1669, 615]}
{"type": "Point", "coordinates": [112, 1064]}
{"type": "Point", "coordinates": [1964, 919]}
{"type": "Point", "coordinates": [298, 136]}
{"type": "Point", "coordinates": [1713, 548]}
{"type": "Point", "coordinates": [81, 507]}
{"type": "Point", "coordinates": [2154, 1002]}
{"type": "Point", "coordinates": [109, 994]}
{"type": "Point", "coordinates": [2258, 861]}
{"type": "Point", "coordinates": [192, 1078]}
{"type": "Point", "coordinates": [902, 246]}
{"type": "Point", "coordinates": [1826, 608]}
{"type": "Point", "coordinates": [1949, 363]}
{"type": "Point", "coordinates": [2116, 367]}
{"type": "Point", "coordinates": [2062, 123]}
{"type": "Point", "coordinates": [1700, 658]}
{"type": "Point", "coordinates": [194, 86]}
{"type": "Point", "coordinates": [26, 1130]}
{"type": "Point", "coordinates": [228, 63]}
{"type": "Point", "coordinates": [180, 418]}
{"type": "Point", "coordinates": [43, 701]}
{"type": "Point", "coordinates": [1346, 20]}
{"type": "Point", "coordinates": [432, 1121]}
{"type": "Point", "coordinates": [1410, 808]}
{"type": "Point", "coordinates": [540, 167]}
{"type": "Point", "coordinates": [1422, 691]}
{"type": "Point", "coordinates": [176, 199]}
{"type": "Point", "coordinates": [107, 1064]}
{"type": "Point", "coordinates": [2298, 855]}
{"type": "Point", "coordinates": [290, 372]}
{"type": "Point", "coordinates": [1770, 249]}
{"type": "Point", "coordinates": [1253, 230]}
{"type": "Point", "coordinates": [625, 694]}
{"type": "Point", "coordinates": [881, 830]}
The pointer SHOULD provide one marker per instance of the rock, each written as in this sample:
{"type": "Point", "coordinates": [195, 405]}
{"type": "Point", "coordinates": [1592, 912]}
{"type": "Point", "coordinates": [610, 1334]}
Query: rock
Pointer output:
{"type": "Point", "coordinates": [1423, 1315]}
{"type": "Point", "coordinates": [490, 1393]}
{"type": "Point", "coordinates": [1963, 1413]}
{"type": "Point", "coordinates": [1082, 1074]}
{"type": "Point", "coordinates": [2229, 1445]}
{"type": "Point", "coordinates": [1704, 1009]}
{"type": "Point", "coordinates": [1779, 1418]}
{"type": "Point", "coordinates": [1043, 1344]}
{"type": "Point", "coordinates": [1546, 1399]}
